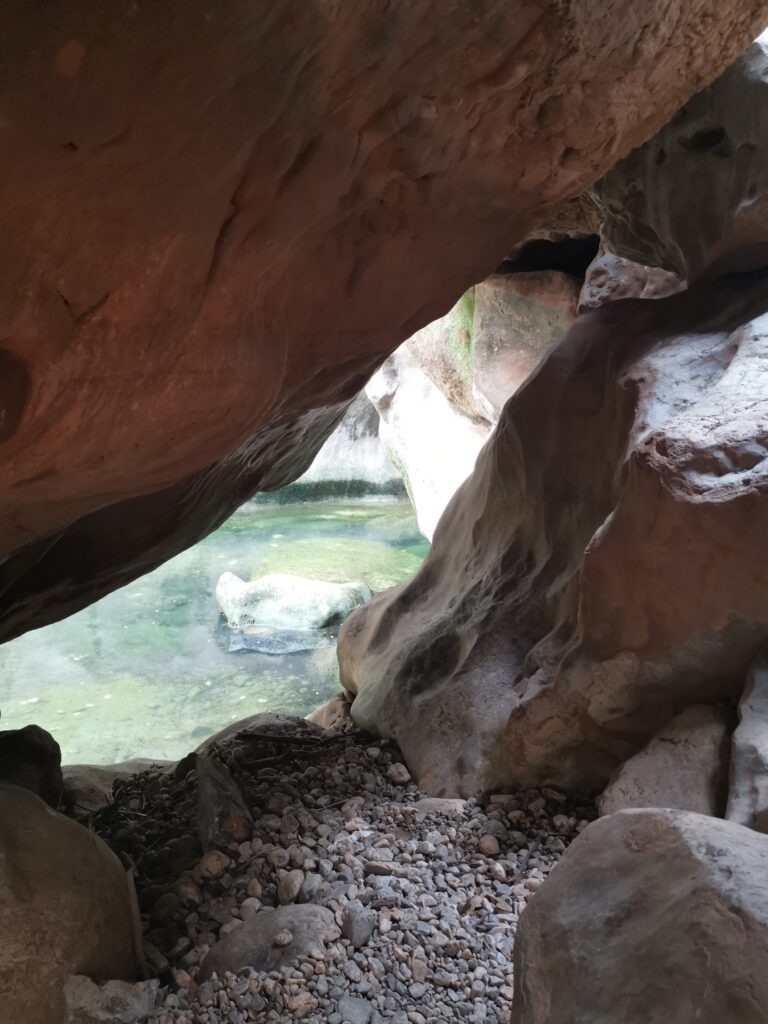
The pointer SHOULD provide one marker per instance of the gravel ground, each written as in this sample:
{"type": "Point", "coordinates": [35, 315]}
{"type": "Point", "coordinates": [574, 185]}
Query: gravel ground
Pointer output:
{"type": "Point", "coordinates": [356, 898]}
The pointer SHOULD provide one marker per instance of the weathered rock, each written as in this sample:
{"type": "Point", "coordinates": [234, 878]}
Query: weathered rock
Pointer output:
{"type": "Point", "coordinates": [610, 277]}
{"type": "Point", "coordinates": [223, 817]}
{"type": "Point", "coordinates": [237, 227]}
{"type": "Point", "coordinates": [748, 793]}
{"type": "Point", "coordinates": [283, 600]}
{"type": "Point", "coordinates": [289, 886]}
{"type": "Point", "coordinates": [334, 714]}
{"type": "Point", "coordinates": [654, 916]}
{"type": "Point", "coordinates": [267, 724]}
{"type": "Point", "coordinates": [696, 195]}
{"type": "Point", "coordinates": [684, 766]}
{"type": "Point", "coordinates": [87, 787]}
{"type": "Point", "coordinates": [115, 1002]}
{"type": "Point", "coordinates": [432, 443]}
{"type": "Point", "coordinates": [596, 574]}
{"type": "Point", "coordinates": [253, 943]}
{"type": "Point", "coordinates": [66, 909]}
{"type": "Point", "coordinates": [31, 757]}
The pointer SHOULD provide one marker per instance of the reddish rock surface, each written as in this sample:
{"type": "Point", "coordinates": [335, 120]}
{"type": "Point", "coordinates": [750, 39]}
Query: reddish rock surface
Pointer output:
{"type": "Point", "coordinates": [597, 573]}
{"type": "Point", "coordinates": [218, 219]}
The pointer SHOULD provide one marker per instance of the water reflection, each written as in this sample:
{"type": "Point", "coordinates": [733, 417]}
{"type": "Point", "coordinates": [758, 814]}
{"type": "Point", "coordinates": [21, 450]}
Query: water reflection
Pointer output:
{"type": "Point", "coordinates": [150, 669]}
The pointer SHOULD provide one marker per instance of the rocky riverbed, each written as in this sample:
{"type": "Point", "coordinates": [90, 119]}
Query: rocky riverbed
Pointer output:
{"type": "Point", "coordinates": [286, 873]}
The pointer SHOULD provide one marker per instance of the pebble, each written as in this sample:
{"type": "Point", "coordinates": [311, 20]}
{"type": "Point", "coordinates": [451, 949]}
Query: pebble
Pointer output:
{"type": "Point", "coordinates": [424, 900]}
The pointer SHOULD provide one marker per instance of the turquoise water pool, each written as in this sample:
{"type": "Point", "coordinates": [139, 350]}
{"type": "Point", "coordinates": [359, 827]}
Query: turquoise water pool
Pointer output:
{"type": "Point", "coordinates": [147, 671]}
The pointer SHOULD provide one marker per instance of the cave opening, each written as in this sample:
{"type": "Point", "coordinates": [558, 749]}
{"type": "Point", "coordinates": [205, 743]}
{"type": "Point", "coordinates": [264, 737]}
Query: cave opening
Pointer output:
{"type": "Point", "coordinates": [571, 254]}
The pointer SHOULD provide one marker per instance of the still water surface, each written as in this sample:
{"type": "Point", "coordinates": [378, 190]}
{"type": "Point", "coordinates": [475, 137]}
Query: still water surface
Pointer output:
{"type": "Point", "coordinates": [148, 670]}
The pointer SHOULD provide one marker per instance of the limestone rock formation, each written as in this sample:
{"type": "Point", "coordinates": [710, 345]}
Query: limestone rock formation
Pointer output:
{"type": "Point", "coordinates": [654, 916]}
{"type": "Point", "coordinates": [66, 909]}
{"type": "Point", "coordinates": [220, 218]}
{"type": "Point", "coordinates": [748, 796]}
{"type": "Point", "coordinates": [31, 757]}
{"type": "Point", "coordinates": [684, 766]}
{"type": "Point", "coordinates": [596, 574]}
{"type": "Point", "coordinates": [433, 444]}
{"type": "Point", "coordinates": [352, 462]}
{"type": "Point", "coordinates": [283, 600]}
{"type": "Point", "coordinates": [610, 277]}
{"type": "Point", "coordinates": [695, 197]}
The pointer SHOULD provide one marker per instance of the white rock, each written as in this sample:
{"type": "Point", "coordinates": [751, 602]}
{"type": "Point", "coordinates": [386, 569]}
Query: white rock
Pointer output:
{"type": "Point", "coordinates": [282, 600]}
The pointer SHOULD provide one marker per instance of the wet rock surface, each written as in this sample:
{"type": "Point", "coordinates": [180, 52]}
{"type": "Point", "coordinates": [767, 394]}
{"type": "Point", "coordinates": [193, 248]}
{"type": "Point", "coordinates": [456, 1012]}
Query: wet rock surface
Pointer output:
{"type": "Point", "coordinates": [396, 911]}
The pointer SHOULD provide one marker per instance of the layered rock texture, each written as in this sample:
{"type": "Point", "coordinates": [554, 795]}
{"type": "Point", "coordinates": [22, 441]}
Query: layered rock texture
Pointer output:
{"type": "Point", "coordinates": [221, 219]}
{"type": "Point", "coordinates": [653, 916]}
{"type": "Point", "coordinates": [594, 576]}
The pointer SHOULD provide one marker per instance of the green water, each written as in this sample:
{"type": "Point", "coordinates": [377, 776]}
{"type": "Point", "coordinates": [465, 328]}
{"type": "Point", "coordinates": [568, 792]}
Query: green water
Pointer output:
{"type": "Point", "coordinates": [146, 672]}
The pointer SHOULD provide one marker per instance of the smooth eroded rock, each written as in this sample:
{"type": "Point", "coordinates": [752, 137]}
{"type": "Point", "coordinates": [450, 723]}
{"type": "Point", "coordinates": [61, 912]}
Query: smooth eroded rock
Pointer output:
{"type": "Point", "coordinates": [66, 909]}
{"type": "Point", "coordinates": [685, 766]}
{"type": "Point", "coordinates": [596, 574]}
{"type": "Point", "coordinates": [658, 916]}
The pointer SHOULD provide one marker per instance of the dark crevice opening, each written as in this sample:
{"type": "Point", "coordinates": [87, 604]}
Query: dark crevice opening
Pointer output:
{"type": "Point", "coordinates": [571, 255]}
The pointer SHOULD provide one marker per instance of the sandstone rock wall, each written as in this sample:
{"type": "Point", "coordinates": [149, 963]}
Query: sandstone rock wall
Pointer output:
{"type": "Point", "coordinates": [218, 220]}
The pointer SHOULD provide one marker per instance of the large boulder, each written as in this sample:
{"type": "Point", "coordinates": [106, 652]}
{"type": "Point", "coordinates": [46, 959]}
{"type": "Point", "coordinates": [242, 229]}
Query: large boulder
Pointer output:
{"type": "Point", "coordinates": [596, 574]}
{"type": "Point", "coordinates": [654, 916]}
{"type": "Point", "coordinates": [67, 908]}
{"type": "Point", "coordinates": [31, 757]}
{"type": "Point", "coordinates": [219, 219]}
{"type": "Point", "coordinates": [281, 600]}
{"type": "Point", "coordinates": [685, 766]}
{"type": "Point", "coordinates": [748, 795]}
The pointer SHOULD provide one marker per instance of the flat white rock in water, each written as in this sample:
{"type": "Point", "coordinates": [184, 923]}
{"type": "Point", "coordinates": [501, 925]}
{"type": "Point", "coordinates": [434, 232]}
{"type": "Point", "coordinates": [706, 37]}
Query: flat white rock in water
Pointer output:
{"type": "Point", "coordinates": [282, 600]}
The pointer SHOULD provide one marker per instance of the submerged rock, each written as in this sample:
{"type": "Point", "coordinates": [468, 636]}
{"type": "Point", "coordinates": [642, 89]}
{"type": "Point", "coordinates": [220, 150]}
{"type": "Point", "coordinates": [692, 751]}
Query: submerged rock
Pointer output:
{"type": "Point", "coordinates": [684, 766]}
{"type": "Point", "coordinates": [281, 600]}
{"type": "Point", "coordinates": [67, 908]}
{"type": "Point", "coordinates": [657, 916]}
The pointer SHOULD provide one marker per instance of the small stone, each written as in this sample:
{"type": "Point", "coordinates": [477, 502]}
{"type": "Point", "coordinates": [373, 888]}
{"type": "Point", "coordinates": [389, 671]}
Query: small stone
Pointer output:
{"type": "Point", "coordinates": [289, 886]}
{"type": "Point", "coordinates": [354, 1010]}
{"type": "Point", "coordinates": [214, 864]}
{"type": "Point", "coordinates": [254, 888]}
{"type": "Point", "coordinates": [417, 990]}
{"type": "Point", "coordinates": [283, 938]}
{"type": "Point", "coordinates": [357, 924]}
{"type": "Point", "coordinates": [489, 846]}
{"type": "Point", "coordinates": [398, 774]}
